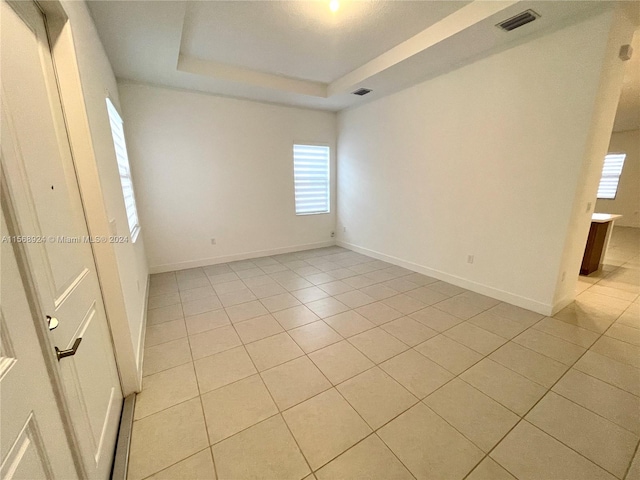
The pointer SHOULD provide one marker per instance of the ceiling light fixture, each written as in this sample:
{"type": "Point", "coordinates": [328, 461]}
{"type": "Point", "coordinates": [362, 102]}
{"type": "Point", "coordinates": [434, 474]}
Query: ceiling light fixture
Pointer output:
{"type": "Point", "coordinates": [334, 5]}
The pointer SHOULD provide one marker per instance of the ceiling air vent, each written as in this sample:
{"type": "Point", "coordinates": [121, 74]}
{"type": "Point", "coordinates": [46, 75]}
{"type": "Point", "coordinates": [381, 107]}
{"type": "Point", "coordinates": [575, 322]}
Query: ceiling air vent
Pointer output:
{"type": "Point", "coordinates": [362, 91]}
{"type": "Point", "coordinates": [519, 20]}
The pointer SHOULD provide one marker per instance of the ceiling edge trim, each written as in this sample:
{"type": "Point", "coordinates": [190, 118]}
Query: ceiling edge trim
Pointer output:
{"type": "Point", "coordinates": [224, 71]}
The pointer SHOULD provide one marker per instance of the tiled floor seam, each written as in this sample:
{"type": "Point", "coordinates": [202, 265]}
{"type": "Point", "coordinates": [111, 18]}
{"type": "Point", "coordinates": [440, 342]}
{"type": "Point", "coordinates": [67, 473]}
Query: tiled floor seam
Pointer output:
{"type": "Point", "coordinates": [296, 441]}
{"type": "Point", "coordinates": [204, 417]}
{"type": "Point", "coordinates": [635, 453]}
{"type": "Point", "coordinates": [604, 381]}
{"type": "Point", "coordinates": [595, 413]}
{"type": "Point", "coordinates": [373, 431]}
{"type": "Point", "coordinates": [162, 306]}
{"type": "Point", "coordinates": [619, 339]}
{"type": "Point", "coordinates": [172, 366]}
{"type": "Point", "coordinates": [168, 408]}
{"type": "Point", "coordinates": [173, 464]}
{"type": "Point", "coordinates": [274, 402]}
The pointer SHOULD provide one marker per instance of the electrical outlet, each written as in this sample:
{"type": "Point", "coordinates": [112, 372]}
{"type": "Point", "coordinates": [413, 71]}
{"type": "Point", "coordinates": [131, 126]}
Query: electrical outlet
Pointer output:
{"type": "Point", "coordinates": [469, 258]}
{"type": "Point", "coordinates": [333, 234]}
{"type": "Point", "coordinates": [213, 241]}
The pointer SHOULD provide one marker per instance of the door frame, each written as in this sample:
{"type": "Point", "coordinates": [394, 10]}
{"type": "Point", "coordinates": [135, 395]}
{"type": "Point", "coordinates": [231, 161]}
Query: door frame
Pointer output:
{"type": "Point", "coordinates": [74, 109]}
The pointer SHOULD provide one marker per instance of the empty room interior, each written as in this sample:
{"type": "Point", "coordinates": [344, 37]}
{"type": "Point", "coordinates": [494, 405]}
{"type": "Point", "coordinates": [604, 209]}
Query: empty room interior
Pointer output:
{"type": "Point", "coordinates": [320, 240]}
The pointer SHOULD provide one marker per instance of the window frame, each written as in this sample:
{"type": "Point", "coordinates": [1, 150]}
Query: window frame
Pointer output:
{"type": "Point", "coordinates": [603, 176]}
{"type": "Point", "coordinates": [114, 115]}
{"type": "Point", "coordinates": [312, 144]}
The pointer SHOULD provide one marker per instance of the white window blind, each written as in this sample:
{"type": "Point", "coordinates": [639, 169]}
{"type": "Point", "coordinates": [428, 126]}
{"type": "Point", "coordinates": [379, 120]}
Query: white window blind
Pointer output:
{"type": "Point", "coordinates": [117, 132]}
{"type": "Point", "coordinates": [611, 175]}
{"type": "Point", "coordinates": [311, 178]}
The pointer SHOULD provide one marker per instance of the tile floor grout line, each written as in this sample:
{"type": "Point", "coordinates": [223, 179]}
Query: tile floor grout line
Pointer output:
{"type": "Point", "coordinates": [206, 428]}
{"type": "Point", "coordinates": [635, 453]}
{"type": "Point", "coordinates": [394, 453]}
{"type": "Point", "coordinates": [166, 468]}
{"type": "Point", "coordinates": [604, 381]}
{"type": "Point", "coordinates": [263, 384]}
{"type": "Point", "coordinates": [167, 408]}
{"type": "Point", "coordinates": [370, 434]}
{"type": "Point", "coordinates": [206, 424]}
{"type": "Point", "coordinates": [276, 405]}
{"type": "Point", "coordinates": [295, 440]}
{"type": "Point", "coordinates": [620, 339]}
{"type": "Point", "coordinates": [373, 431]}
{"type": "Point", "coordinates": [595, 413]}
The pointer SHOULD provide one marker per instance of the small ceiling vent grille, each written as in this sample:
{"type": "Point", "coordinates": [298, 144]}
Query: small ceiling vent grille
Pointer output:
{"type": "Point", "coordinates": [518, 21]}
{"type": "Point", "coordinates": [362, 91]}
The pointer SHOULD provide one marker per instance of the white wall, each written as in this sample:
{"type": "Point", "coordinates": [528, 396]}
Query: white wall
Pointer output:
{"type": "Point", "coordinates": [481, 161]}
{"type": "Point", "coordinates": [212, 167]}
{"type": "Point", "coordinates": [86, 78]}
{"type": "Point", "coordinates": [627, 201]}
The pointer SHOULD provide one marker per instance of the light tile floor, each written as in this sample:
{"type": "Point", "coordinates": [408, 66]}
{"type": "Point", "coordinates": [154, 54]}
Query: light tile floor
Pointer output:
{"type": "Point", "coordinates": [329, 364]}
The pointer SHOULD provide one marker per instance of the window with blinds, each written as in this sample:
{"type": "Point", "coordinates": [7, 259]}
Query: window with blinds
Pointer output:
{"type": "Point", "coordinates": [311, 178]}
{"type": "Point", "coordinates": [117, 132]}
{"type": "Point", "coordinates": [611, 175]}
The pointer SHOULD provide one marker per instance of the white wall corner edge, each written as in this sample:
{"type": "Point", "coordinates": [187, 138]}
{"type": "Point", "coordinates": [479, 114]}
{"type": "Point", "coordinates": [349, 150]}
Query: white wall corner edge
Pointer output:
{"type": "Point", "coordinates": [170, 267]}
{"type": "Point", "coordinates": [142, 336]}
{"type": "Point", "coordinates": [517, 300]}
{"type": "Point", "coordinates": [563, 302]}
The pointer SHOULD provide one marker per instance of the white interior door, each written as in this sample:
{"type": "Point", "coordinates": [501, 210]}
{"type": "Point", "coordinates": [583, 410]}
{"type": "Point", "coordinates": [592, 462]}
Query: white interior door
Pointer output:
{"type": "Point", "coordinates": [33, 440]}
{"type": "Point", "coordinates": [43, 188]}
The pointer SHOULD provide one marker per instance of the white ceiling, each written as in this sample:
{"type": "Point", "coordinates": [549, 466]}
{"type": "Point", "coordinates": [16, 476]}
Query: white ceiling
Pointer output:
{"type": "Point", "coordinates": [305, 39]}
{"type": "Point", "coordinates": [299, 53]}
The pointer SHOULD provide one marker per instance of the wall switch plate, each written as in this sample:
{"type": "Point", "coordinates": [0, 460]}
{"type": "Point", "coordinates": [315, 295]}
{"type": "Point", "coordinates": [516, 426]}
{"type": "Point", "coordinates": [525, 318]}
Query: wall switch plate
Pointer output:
{"type": "Point", "coordinates": [588, 207]}
{"type": "Point", "coordinates": [213, 241]}
{"type": "Point", "coordinates": [469, 258]}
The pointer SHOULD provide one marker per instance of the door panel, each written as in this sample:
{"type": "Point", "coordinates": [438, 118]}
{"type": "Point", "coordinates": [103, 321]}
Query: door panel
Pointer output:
{"type": "Point", "coordinates": [27, 458]}
{"type": "Point", "coordinates": [43, 186]}
{"type": "Point", "coordinates": [33, 441]}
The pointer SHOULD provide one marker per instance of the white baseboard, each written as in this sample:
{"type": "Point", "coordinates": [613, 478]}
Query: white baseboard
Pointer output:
{"type": "Point", "coordinates": [502, 295]}
{"type": "Point", "coordinates": [170, 267]}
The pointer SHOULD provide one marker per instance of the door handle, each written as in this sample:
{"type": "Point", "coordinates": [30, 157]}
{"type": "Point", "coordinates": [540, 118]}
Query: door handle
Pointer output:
{"type": "Point", "coordinates": [70, 352]}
